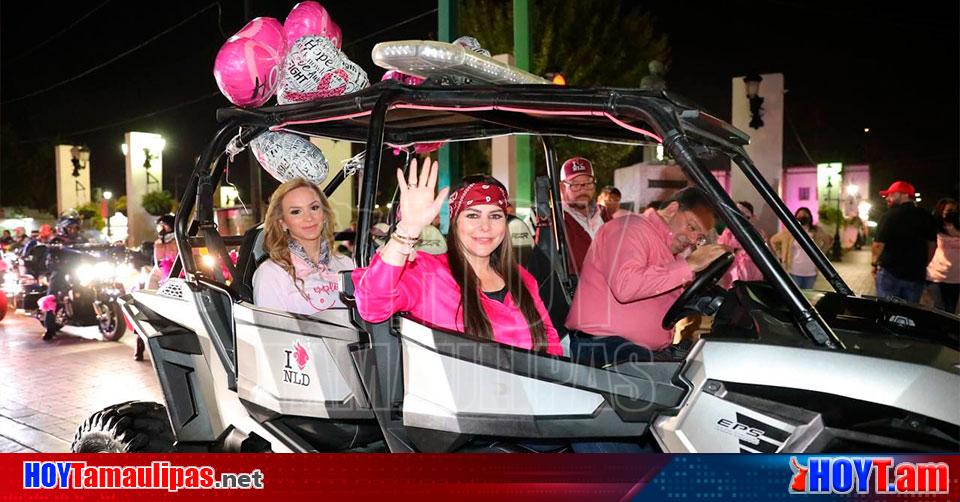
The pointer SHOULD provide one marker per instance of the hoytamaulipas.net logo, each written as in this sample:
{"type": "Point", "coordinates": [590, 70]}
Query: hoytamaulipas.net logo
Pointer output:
{"type": "Point", "coordinates": [159, 475]}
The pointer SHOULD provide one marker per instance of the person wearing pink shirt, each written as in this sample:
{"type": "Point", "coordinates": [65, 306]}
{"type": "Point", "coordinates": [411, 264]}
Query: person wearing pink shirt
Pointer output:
{"type": "Point", "coordinates": [301, 274]}
{"type": "Point", "coordinates": [743, 269]}
{"type": "Point", "coordinates": [632, 274]}
{"type": "Point", "coordinates": [475, 288]}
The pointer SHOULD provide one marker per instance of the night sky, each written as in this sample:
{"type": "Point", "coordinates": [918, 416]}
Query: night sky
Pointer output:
{"type": "Point", "coordinates": [847, 65]}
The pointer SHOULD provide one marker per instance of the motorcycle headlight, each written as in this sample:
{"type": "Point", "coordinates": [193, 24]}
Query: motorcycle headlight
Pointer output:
{"type": "Point", "coordinates": [125, 270]}
{"type": "Point", "coordinates": [105, 271]}
{"type": "Point", "coordinates": [85, 274]}
{"type": "Point", "coordinates": [11, 284]}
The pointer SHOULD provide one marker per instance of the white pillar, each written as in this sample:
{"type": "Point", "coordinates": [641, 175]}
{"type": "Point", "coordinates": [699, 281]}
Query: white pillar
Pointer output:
{"type": "Point", "coordinates": [71, 192]}
{"type": "Point", "coordinates": [766, 144]}
{"type": "Point", "coordinates": [141, 226]}
{"type": "Point", "coordinates": [336, 152]}
{"type": "Point", "coordinates": [503, 152]}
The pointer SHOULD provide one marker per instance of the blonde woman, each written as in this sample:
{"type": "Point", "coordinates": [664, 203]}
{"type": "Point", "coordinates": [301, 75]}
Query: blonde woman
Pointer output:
{"type": "Point", "coordinates": [301, 274]}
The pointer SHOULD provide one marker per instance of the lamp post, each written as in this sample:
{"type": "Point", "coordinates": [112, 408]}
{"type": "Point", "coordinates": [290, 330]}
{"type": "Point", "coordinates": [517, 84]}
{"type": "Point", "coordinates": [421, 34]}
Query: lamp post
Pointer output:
{"type": "Point", "coordinates": [107, 195]}
{"type": "Point", "coordinates": [836, 253]}
{"type": "Point", "coordinates": [79, 157]}
{"type": "Point", "coordinates": [752, 82]}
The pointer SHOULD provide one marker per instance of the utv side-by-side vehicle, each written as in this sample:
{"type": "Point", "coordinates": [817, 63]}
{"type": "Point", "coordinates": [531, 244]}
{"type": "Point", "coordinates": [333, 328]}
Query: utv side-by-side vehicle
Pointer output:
{"type": "Point", "coordinates": [781, 370]}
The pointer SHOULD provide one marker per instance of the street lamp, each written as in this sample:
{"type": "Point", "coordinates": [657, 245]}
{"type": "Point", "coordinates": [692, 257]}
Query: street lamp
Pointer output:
{"type": "Point", "coordinates": [836, 253]}
{"type": "Point", "coordinates": [107, 195]}
{"type": "Point", "coordinates": [79, 157]}
{"type": "Point", "coordinates": [752, 81]}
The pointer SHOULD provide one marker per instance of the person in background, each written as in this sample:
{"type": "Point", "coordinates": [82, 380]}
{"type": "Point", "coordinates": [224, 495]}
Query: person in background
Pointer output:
{"type": "Point", "coordinates": [943, 271]}
{"type": "Point", "coordinates": [905, 243]}
{"type": "Point", "coordinates": [581, 216]}
{"type": "Point", "coordinates": [19, 237]}
{"type": "Point", "coordinates": [743, 269]}
{"type": "Point", "coordinates": [609, 202]}
{"type": "Point", "coordinates": [6, 240]}
{"type": "Point", "coordinates": [301, 275]}
{"type": "Point", "coordinates": [800, 266]}
{"type": "Point", "coordinates": [476, 288]}
{"type": "Point", "coordinates": [164, 255]}
{"type": "Point", "coordinates": [164, 252]}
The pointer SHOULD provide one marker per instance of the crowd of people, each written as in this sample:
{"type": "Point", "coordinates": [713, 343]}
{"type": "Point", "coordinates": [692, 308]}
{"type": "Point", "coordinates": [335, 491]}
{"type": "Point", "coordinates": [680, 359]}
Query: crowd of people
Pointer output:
{"type": "Point", "coordinates": [628, 265]}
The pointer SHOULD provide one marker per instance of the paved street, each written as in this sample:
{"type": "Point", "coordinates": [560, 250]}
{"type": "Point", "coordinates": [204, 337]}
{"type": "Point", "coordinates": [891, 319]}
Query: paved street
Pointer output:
{"type": "Point", "coordinates": [855, 270]}
{"type": "Point", "coordinates": [47, 389]}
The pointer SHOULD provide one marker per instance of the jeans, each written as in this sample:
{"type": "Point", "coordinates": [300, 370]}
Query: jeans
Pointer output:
{"type": "Point", "coordinates": [949, 294]}
{"type": "Point", "coordinates": [804, 281]}
{"type": "Point", "coordinates": [888, 285]}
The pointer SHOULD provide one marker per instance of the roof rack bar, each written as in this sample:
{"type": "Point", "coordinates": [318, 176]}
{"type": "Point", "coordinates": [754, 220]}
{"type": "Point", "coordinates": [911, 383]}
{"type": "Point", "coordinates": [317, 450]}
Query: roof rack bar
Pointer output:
{"type": "Point", "coordinates": [371, 173]}
{"type": "Point", "coordinates": [190, 196]}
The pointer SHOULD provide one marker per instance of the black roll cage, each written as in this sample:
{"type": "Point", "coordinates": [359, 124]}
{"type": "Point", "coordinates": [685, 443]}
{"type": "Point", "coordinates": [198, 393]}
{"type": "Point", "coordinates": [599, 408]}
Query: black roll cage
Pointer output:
{"type": "Point", "coordinates": [431, 114]}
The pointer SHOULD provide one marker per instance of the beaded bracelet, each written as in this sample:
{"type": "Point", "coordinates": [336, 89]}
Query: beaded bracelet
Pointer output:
{"type": "Point", "coordinates": [405, 247]}
{"type": "Point", "coordinates": [405, 238]}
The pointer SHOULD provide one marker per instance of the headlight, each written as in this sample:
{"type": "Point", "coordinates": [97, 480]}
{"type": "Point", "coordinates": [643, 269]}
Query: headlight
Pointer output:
{"type": "Point", "coordinates": [10, 283]}
{"type": "Point", "coordinates": [105, 271]}
{"type": "Point", "coordinates": [85, 274]}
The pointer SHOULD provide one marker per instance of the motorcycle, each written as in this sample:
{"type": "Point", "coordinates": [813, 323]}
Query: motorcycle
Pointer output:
{"type": "Point", "coordinates": [93, 278]}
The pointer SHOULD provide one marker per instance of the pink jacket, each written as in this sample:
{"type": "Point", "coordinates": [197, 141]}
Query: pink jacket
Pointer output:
{"type": "Point", "coordinates": [629, 280]}
{"type": "Point", "coordinates": [426, 289]}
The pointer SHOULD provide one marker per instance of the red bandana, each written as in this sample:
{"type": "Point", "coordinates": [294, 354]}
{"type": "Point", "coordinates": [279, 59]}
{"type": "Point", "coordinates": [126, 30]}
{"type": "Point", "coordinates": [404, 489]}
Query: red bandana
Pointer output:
{"type": "Point", "coordinates": [476, 194]}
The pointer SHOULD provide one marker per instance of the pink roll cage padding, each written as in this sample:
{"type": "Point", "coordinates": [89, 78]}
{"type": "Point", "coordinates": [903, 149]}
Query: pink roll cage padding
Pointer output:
{"type": "Point", "coordinates": [406, 106]}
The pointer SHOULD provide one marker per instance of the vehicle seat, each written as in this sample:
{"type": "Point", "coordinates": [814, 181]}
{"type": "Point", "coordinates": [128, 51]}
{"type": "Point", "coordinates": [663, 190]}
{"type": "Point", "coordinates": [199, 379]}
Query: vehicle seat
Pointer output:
{"type": "Point", "coordinates": [551, 288]}
{"type": "Point", "coordinates": [250, 256]}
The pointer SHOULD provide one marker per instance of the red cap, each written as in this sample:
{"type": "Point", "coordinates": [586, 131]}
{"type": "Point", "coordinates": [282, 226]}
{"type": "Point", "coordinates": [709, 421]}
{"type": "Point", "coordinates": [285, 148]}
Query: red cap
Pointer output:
{"type": "Point", "coordinates": [899, 187]}
{"type": "Point", "coordinates": [575, 167]}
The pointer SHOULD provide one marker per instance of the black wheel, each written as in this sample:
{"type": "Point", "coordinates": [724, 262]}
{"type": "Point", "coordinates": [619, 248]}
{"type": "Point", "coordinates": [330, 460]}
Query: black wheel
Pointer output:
{"type": "Point", "coordinates": [134, 426]}
{"type": "Point", "coordinates": [112, 325]}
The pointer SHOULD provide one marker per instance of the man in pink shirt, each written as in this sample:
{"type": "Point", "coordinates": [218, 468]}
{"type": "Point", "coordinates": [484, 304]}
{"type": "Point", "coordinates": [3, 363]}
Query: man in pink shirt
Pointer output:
{"type": "Point", "coordinates": [632, 274]}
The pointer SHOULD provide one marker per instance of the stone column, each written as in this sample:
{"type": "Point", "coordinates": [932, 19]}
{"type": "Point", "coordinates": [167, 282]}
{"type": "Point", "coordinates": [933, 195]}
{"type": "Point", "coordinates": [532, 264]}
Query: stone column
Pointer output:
{"type": "Point", "coordinates": [71, 191]}
{"type": "Point", "coordinates": [766, 144]}
{"type": "Point", "coordinates": [336, 152]}
{"type": "Point", "coordinates": [141, 226]}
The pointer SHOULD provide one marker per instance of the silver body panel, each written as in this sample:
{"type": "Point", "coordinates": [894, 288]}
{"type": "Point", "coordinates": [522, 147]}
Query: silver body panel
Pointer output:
{"type": "Point", "coordinates": [920, 389]}
{"type": "Point", "coordinates": [268, 374]}
{"type": "Point", "coordinates": [257, 358]}
{"type": "Point", "coordinates": [443, 392]}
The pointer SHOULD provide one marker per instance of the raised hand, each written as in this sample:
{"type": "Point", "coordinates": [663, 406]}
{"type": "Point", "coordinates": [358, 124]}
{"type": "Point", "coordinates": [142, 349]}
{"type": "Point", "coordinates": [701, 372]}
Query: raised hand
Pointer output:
{"type": "Point", "coordinates": [418, 203]}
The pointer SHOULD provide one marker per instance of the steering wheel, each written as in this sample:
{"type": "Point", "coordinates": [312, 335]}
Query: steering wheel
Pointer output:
{"type": "Point", "coordinates": [703, 281]}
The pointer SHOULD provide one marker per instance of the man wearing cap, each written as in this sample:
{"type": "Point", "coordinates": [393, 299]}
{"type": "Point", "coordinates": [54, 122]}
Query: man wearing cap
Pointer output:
{"type": "Point", "coordinates": [633, 273]}
{"type": "Point", "coordinates": [582, 218]}
{"type": "Point", "coordinates": [905, 243]}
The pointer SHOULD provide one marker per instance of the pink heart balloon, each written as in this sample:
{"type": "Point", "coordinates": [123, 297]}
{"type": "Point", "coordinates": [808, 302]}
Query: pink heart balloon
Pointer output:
{"type": "Point", "coordinates": [266, 30]}
{"type": "Point", "coordinates": [247, 71]}
{"type": "Point", "coordinates": [310, 18]}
